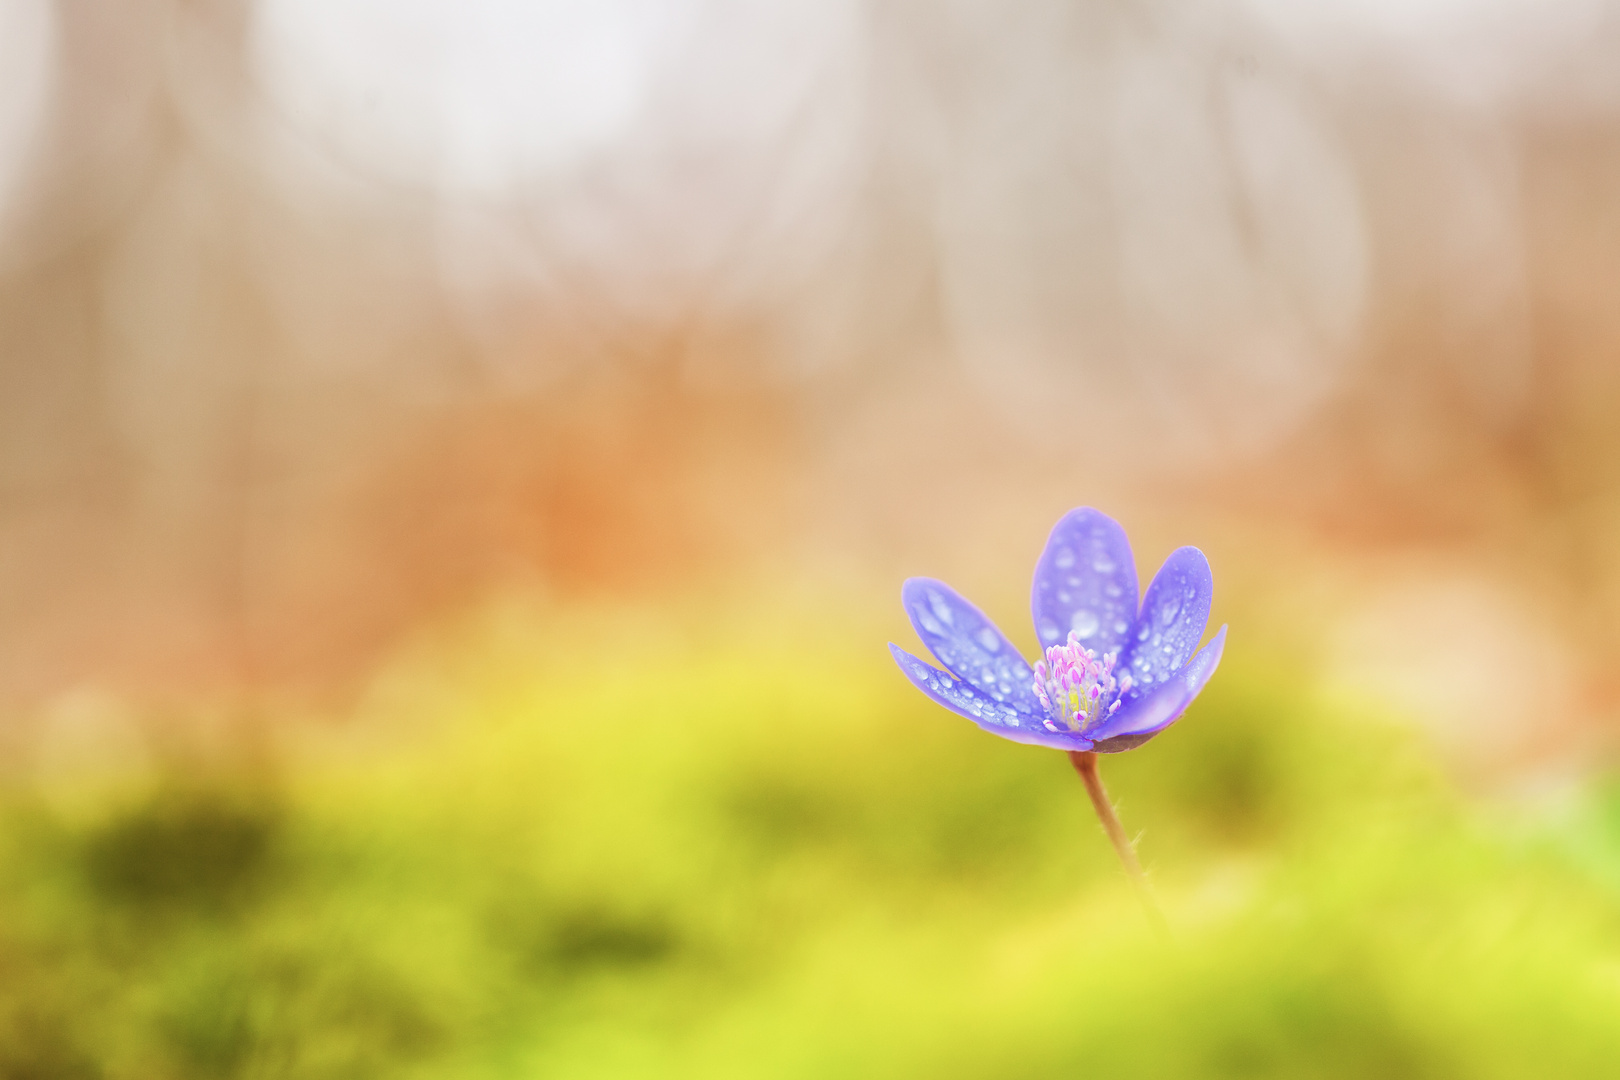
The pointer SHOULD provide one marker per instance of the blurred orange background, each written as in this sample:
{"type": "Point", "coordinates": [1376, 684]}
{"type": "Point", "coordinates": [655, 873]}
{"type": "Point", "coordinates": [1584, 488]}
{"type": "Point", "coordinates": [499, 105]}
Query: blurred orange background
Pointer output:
{"type": "Point", "coordinates": [322, 321]}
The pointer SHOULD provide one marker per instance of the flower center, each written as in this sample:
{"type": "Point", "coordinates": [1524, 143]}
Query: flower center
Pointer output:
{"type": "Point", "coordinates": [1076, 686]}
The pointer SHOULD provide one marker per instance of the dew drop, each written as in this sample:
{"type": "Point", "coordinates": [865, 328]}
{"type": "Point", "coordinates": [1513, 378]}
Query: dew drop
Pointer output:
{"type": "Point", "coordinates": [1112, 590]}
{"type": "Point", "coordinates": [1142, 634]}
{"type": "Point", "coordinates": [1120, 627]}
{"type": "Point", "coordinates": [1064, 596]}
{"type": "Point", "coordinates": [1063, 558]}
{"type": "Point", "coordinates": [1048, 630]}
{"type": "Point", "coordinates": [1084, 623]}
{"type": "Point", "coordinates": [1074, 580]}
{"type": "Point", "coordinates": [1168, 612]}
{"type": "Point", "coordinates": [929, 623]}
{"type": "Point", "coordinates": [989, 639]}
{"type": "Point", "coordinates": [942, 609]}
{"type": "Point", "coordinates": [1103, 564]}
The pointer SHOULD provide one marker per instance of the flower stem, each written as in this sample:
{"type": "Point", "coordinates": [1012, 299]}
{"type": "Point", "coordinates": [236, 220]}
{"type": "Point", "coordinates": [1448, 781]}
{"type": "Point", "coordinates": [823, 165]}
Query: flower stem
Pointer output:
{"type": "Point", "coordinates": [1085, 763]}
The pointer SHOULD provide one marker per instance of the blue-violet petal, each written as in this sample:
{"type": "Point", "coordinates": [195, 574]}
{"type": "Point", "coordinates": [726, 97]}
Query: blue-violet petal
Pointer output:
{"type": "Point", "coordinates": [1085, 582]}
{"type": "Point", "coordinates": [1175, 610]}
{"type": "Point", "coordinates": [995, 717]}
{"type": "Point", "coordinates": [968, 644]}
{"type": "Point", "coordinates": [1149, 714]}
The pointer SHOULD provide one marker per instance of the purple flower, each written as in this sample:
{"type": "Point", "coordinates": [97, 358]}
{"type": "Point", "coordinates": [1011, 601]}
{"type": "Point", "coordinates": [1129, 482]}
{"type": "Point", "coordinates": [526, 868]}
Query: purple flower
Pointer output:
{"type": "Point", "coordinates": [1114, 674]}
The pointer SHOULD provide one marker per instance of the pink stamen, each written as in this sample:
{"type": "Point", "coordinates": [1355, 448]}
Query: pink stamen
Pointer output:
{"type": "Point", "coordinates": [1076, 687]}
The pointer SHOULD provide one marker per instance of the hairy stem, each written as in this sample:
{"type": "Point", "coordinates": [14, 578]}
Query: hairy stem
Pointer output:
{"type": "Point", "coordinates": [1085, 763]}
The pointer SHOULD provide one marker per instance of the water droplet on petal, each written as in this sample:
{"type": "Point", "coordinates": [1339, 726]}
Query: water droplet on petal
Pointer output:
{"type": "Point", "coordinates": [1168, 611]}
{"type": "Point", "coordinates": [1120, 627]}
{"type": "Point", "coordinates": [929, 623]}
{"type": "Point", "coordinates": [1064, 596]}
{"type": "Point", "coordinates": [988, 639]}
{"type": "Point", "coordinates": [1063, 558]}
{"type": "Point", "coordinates": [1142, 634]}
{"type": "Point", "coordinates": [1113, 590]}
{"type": "Point", "coordinates": [942, 609]}
{"type": "Point", "coordinates": [1048, 630]}
{"type": "Point", "coordinates": [1084, 623]}
{"type": "Point", "coordinates": [1102, 563]}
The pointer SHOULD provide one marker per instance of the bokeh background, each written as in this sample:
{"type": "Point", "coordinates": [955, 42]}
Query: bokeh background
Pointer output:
{"type": "Point", "coordinates": [458, 461]}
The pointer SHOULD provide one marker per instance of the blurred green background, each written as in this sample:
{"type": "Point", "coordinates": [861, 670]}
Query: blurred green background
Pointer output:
{"type": "Point", "coordinates": [737, 843]}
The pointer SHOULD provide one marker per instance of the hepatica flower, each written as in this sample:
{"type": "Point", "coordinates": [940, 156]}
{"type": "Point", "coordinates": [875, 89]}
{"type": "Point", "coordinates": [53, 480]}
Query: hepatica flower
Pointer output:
{"type": "Point", "coordinates": [1114, 673]}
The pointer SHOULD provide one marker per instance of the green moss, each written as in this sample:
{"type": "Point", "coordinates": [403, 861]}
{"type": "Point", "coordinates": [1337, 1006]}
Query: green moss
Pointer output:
{"type": "Point", "coordinates": [742, 856]}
